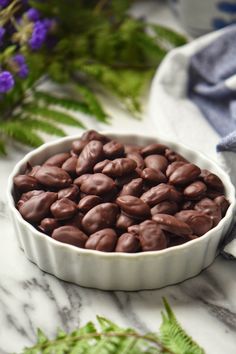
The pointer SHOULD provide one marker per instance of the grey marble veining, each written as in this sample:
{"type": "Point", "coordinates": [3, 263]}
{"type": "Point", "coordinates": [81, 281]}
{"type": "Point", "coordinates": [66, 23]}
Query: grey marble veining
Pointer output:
{"type": "Point", "coordinates": [31, 299]}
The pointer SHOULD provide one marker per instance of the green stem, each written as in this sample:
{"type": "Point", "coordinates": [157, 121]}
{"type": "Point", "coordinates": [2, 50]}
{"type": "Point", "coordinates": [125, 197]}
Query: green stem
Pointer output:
{"type": "Point", "coordinates": [9, 11]}
{"type": "Point", "coordinates": [148, 338]}
{"type": "Point", "coordinates": [132, 66]}
{"type": "Point", "coordinates": [14, 23]}
{"type": "Point", "coordinates": [116, 65]}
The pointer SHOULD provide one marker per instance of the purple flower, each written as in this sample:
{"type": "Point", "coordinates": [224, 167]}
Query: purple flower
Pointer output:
{"type": "Point", "coordinates": [19, 59]}
{"type": "Point", "coordinates": [33, 14]}
{"type": "Point", "coordinates": [4, 3]}
{"type": "Point", "coordinates": [48, 23]}
{"type": "Point", "coordinates": [2, 32]}
{"type": "Point", "coordinates": [23, 72]}
{"type": "Point", "coordinates": [6, 81]}
{"type": "Point", "coordinates": [22, 68]}
{"type": "Point", "coordinates": [38, 35]}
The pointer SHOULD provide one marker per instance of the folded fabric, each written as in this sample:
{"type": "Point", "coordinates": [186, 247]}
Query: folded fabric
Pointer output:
{"type": "Point", "coordinates": [193, 99]}
{"type": "Point", "coordinates": [212, 83]}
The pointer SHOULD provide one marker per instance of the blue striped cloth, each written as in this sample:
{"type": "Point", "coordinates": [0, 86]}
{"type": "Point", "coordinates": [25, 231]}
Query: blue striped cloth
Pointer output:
{"type": "Point", "coordinates": [212, 86]}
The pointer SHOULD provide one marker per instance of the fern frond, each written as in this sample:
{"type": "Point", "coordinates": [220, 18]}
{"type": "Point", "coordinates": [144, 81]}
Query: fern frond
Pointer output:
{"type": "Point", "coordinates": [87, 340]}
{"type": "Point", "coordinates": [18, 131]}
{"type": "Point", "coordinates": [42, 125]}
{"type": "Point", "coordinates": [41, 337]}
{"type": "Point", "coordinates": [151, 48]}
{"type": "Point", "coordinates": [112, 339]}
{"type": "Point", "coordinates": [126, 84]}
{"type": "Point", "coordinates": [54, 115]}
{"type": "Point", "coordinates": [81, 345]}
{"type": "Point", "coordinates": [167, 34]}
{"type": "Point", "coordinates": [67, 103]}
{"type": "Point", "coordinates": [107, 325]}
{"type": "Point", "coordinates": [174, 337]}
{"type": "Point", "coordinates": [105, 43]}
{"type": "Point", "coordinates": [92, 102]}
{"type": "Point", "coordinates": [132, 344]}
{"type": "Point", "coordinates": [2, 148]}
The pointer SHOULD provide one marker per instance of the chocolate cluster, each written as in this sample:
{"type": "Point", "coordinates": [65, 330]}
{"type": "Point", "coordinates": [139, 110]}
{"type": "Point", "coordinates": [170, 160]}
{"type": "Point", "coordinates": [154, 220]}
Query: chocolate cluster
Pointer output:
{"type": "Point", "coordinates": [112, 197]}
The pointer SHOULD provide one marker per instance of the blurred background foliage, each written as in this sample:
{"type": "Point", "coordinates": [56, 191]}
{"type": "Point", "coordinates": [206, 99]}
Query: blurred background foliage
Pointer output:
{"type": "Point", "coordinates": [87, 44]}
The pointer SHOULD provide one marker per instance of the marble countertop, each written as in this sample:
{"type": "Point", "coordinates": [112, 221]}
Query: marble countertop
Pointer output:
{"type": "Point", "coordinates": [30, 298]}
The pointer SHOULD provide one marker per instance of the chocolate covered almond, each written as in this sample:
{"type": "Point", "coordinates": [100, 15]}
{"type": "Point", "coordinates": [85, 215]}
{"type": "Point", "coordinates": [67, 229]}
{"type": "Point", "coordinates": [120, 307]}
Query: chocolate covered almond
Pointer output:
{"type": "Point", "coordinates": [38, 207]}
{"type": "Point", "coordinates": [88, 202]}
{"type": "Point", "coordinates": [24, 183]}
{"type": "Point", "coordinates": [71, 235]}
{"type": "Point", "coordinates": [151, 236]}
{"type": "Point", "coordinates": [184, 174]}
{"type": "Point", "coordinates": [119, 167]}
{"type": "Point", "coordinates": [63, 209]}
{"type": "Point", "coordinates": [104, 240]}
{"type": "Point", "coordinates": [199, 222]}
{"type": "Point", "coordinates": [156, 162]}
{"type": "Point", "coordinates": [53, 177]}
{"type": "Point", "coordinates": [97, 184]}
{"type": "Point", "coordinates": [100, 217]}
{"type": "Point", "coordinates": [128, 243]}
{"type": "Point", "coordinates": [134, 187]}
{"type": "Point", "coordinates": [113, 149]}
{"type": "Point", "coordinates": [58, 159]}
{"type": "Point", "coordinates": [133, 206]}
{"type": "Point", "coordinates": [90, 155]}
{"type": "Point", "coordinates": [172, 224]}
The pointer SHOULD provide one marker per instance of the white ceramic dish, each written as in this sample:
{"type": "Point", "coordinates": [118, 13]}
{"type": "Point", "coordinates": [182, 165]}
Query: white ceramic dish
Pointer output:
{"type": "Point", "coordinates": [116, 271]}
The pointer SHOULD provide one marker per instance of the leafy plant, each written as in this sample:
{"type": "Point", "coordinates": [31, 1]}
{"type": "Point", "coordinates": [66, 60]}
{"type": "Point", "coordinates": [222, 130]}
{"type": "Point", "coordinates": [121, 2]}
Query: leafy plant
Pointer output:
{"type": "Point", "coordinates": [112, 339]}
{"type": "Point", "coordinates": [88, 45]}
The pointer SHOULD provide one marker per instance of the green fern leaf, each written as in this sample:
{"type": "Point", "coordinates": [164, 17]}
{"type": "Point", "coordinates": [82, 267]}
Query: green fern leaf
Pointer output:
{"type": "Point", "coordinates": [105, 43]}
{"type": "Point", "coordinates": [107, 325]}
{"type": "Point", "coordinates": [31, 351]}
{"type": "Point", "coordinates": [126, 344]}
{"type": "Point", "coordinates": [98, 72]}
{"type": "Point", "coordinates": [174, 337]}
{"type": "Point", "coordinates": [42, 339]}
{"type": "Point", "coordinates": [92, 102]}
{"type": "Point", "coordinates": [88, 328]}
{"type": "Point", "coordinates": [7, 53]}
{"type": "Point", "coordinates": [129, 51]}
{"type": "Point", "coordinates": [153, 51]}
{"type": "Point", "coordinates": [83, 345]}
{"type": "Point", "coordinates": [111, 344]}
{"type": "Point", "coordinates": [120, 7]}
{"type": "Point", "coordinates": [61, 334]}
{"type": "Point", "coordinates": [54, 115]}
{"type": "Point", "coordinates": [18, 131]}
{"type": "Point", "coordinates": [42, 125]}
{"type": "Point", "coordinates": [126, 84]}
{"type": "Point", "coordinates": [166, 34]}
{"type": "Point", "coordinates": [106, 346]}
{"type": "Point", "coordinates": [2, 148]}
{"type": "Point", "coordinates": [62, 102]}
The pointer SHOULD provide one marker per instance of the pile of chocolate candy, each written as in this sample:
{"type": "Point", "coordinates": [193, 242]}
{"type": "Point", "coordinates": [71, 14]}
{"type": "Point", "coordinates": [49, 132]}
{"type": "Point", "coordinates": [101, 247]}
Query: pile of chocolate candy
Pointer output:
{"type": "Point", "coordinates": [112, 197]}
